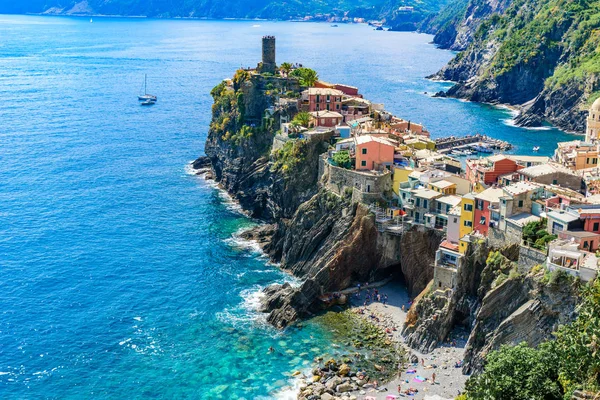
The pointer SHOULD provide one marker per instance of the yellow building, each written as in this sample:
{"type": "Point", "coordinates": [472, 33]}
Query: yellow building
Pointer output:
{"type": "Point", "coordinates": [420, 143]}
{"type": "Point", "coordinates": [443, 186]}
{"type": "Point", "coordinates": [467, 215]}
{"type": "Point", "coordinates": [400, 175]}
{"type": "Point", "coordinates": [577, 155]}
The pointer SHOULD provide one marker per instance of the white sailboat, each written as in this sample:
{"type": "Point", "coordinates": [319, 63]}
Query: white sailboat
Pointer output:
{"type": "Point", "coordinates": [146, 97]}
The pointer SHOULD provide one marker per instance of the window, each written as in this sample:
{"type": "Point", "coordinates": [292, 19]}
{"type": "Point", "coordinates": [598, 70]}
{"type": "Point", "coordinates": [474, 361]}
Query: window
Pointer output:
{"type": "Point", "coordinates": [585, 244]}
{"type": "Point", "coordinates": [520, 203]}
{"type": "Point", "coordinates": [328, 98]}
{"type": "Point", "coordinates": [363, 163]}
{"type": "Point", "coordinates": [447, 207]}
{"type": "Point", "coordinates": [403, 196]}
{"type": "Point", "coordinates": [364, 151]}
{"type": "Point", "coordinates": [337, 106]}
{"type": "Point", "coordinates": [587, 160]}
{"type": "Point", "coordinates": [468, 224]}
{"type": "Point", "coordinates": [327, 107]}
{"type": "Point", "coordinates": [594, 161]}
{"type": "Point", "coordinates": [439, 207]}
{"type": "Point", "coordinates": [480, 204]}
{"type": "Point", "coordinates": [468, 207]}
{"type": "Point", "coordinates": [368, 188]}
{"type": "Point", "coordinates": [424, 203]}
{"type": "Point", "coordinates": [482, 221]}
{"type": "Point", "coordinates": [417, 215]}
{"type": "Point", "coordinates": [596, 226]}
{"type": "Point", "coordinates": [418, 202]}
{"type": "Point", "coordinates": [555, 181]}
{"type": "Point", "coordinates": [455, 220]}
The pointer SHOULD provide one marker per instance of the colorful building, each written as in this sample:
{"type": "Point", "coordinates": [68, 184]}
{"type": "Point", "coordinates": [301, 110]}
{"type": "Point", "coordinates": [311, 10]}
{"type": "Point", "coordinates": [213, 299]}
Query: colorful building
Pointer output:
{"type": "Point", "coordinates": [487, 210]}
{"type": "Point", "coordinates": [577, 155]}
{"type": "Point", "coordinates": [487, 170]}
{"type": "Point", "coordinates": [323, 99]}
{"type": "Point", "coordinates": [328, 119]}
{"type": "Point", "coordinates": [373, 152]}
{"type": "Point", "coordinates": [467, 218]}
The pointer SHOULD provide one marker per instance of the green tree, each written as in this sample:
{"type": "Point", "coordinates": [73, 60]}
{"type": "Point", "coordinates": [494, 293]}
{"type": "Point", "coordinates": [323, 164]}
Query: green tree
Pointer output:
{"type": "Point", "coordinates": [518, 373]}
{"type": "Point", "coordinates": [301, 119]}
{"type": "Point", "coordinates": [285, 67]}
{"type": "Point", "coordinates": [239, 78]}
{"type": "Point", "coordinates": [306, 76]}
{"type": "Point", "coordinates": [342, 159]}
{"type": "Point", "coordinates": [578, 344]}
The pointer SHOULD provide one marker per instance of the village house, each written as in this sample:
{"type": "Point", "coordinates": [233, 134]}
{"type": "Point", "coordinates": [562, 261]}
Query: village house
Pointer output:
{"type": "Point", "coordinates": [448, 260]}
{"type": "Point", "coordinates": [563, 219]}
{"type": "Point", "coordinates": [373, 152]}
{"type": "Point", "coordinates": [467, 218]}
{"type": "Point", "coordinates": [551, 174]}
{"type": "Point", "coordinates": [355, 108]}
{"type": "Point", "coordinates": [565, 255]}
{"type": "Point", "coordinates": [453, 227]}
{"type": "Point", "coordinates": [487, 210]}
{"type": "Point", "coordinates": [422, 209]}
{"type": "Point", "coordinates": [516, 204]}
{"type": "Point", "coordinates": [487, 170]}
{"type": "Point", "coordinates": [329, 119]}
{"type": "Point", "coordinates": [443, 186]}
{"type": "Point", "coordinates": [443, 206]}
{"type": "Point", "coordinates": [347, 90]}
{"type": "Point", "coordinates": [322, 99]}
{"type": "Point", "coordinates": [577, 155]}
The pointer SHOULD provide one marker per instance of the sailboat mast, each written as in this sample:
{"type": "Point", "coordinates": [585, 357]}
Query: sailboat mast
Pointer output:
{"type": "Point", "coordinates": [145, 83]}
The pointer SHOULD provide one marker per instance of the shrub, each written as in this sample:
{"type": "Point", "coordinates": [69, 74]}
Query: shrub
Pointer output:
{"type": "Point", "coordinates": [342, 159]}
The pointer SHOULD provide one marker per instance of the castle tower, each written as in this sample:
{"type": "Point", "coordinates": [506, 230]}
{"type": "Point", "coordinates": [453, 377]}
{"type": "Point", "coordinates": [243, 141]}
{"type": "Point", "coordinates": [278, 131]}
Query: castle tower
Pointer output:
{"type": "Point", "coordinates": [592, 132]}
{"type": "Point", "coordinates": [268, 54]}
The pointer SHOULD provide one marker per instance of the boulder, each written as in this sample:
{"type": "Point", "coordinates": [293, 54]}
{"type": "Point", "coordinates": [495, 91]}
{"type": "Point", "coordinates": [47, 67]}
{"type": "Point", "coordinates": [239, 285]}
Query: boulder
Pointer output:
{"type": "Point", "coordinates": [344, 387]}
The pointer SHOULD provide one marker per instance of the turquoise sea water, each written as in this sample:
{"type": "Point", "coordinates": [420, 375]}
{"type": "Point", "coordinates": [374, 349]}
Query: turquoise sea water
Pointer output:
{"type": "Point", "coordinates": [120, 273]}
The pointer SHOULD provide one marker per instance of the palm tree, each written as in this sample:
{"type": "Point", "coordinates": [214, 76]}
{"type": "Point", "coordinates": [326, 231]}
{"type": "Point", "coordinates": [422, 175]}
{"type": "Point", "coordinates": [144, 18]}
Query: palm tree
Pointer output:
{"type": "Point", "coordinates": [285, 67]}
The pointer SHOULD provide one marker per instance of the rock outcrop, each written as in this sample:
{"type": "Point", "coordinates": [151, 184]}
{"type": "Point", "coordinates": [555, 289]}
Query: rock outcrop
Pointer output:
{"type": "Point", "coordinates": [495, 304]}
{"type": "Point", "coordinates": [537, 56]}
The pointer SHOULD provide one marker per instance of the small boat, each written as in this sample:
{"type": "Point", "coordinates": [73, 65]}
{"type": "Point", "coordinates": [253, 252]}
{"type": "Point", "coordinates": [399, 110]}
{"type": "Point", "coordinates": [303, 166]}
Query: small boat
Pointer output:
{"type": "Point", "coordinates": [379, 28]}
{"type": "Point", "coordinates": [334, 26]}
{"type": "Point", "coordinates": [148, 103]}
{"type": "Point", "coordinates": [91, 20]}
{"type": "Point", "coordinates": [146, 97]}
{"type": "Point", "coordinates": [536, 148]}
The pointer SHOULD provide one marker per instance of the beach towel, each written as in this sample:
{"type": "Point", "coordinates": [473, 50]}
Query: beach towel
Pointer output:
{"type": "Point", "coordinates": [370, 398]}
{"type": "Point", "coordinates": [411, 371]}
{"type": "Point", "coordinates": [419, 379]}
{"type": "Point", "coordinates": [391, 397]}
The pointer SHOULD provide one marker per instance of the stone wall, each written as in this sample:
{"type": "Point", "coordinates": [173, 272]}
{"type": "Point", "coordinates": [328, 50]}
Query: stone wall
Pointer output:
{"type": "Point", "coordinates": [499, 239]}
{"type": "Point", "coordinates": [443, 278]}
{"type": "Point", "coordinates": [366, 187]}
{"type": "Point", "coordinates": [529, 258]}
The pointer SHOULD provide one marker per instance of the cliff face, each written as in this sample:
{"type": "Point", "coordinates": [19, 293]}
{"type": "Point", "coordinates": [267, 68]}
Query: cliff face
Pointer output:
{"type": "Point", "coordinates": [239, 145]}
{"type": "Point", "coordinates": [537, 55]}
{"type": "Point", "coordinates": [497, 305]}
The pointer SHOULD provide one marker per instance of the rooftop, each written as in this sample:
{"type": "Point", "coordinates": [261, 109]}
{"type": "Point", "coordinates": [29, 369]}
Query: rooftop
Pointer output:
{"type": "Point", "coordinates": [563, 216]}
{"type": "Point", "coordinates": [518, 188]}
{"type": "Point", "coordinates": [326, 114]}
{"type": "Point", "coordinates": [523, 219]}
{"type": "Point", "coordinates": [324, 92]}
{"type": "Point", "coordinates": [534, 159]}
{"type": "Point", "coordinates": [452, 200]}
{"type": "Point", "coordinates": [492, 195]}
{"type": "Point", "coordinates": [362, 139]}
{"type": "Point", "coordinates": [426, 194]}
{"type": "Point", "coordinates": [442, 184]}
{"type": "Point", "coordinates": [544, 169]}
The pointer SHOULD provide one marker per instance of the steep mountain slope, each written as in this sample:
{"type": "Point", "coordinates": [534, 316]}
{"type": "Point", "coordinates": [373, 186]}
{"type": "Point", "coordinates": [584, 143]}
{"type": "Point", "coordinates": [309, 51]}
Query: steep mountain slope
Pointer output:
{"type": "Point", "coordinates": [541, 54]}
{"type": "Point", "coordinates": [268, 9]}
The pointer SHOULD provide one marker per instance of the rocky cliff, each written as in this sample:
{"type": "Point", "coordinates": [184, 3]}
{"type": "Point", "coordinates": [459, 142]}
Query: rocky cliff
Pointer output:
{"type": "Point", "coordinates": [495, 304]}
{"type": "Point", "coordinates": [325, 239]}
{"type": "Point", "coordinates": [539, 56]}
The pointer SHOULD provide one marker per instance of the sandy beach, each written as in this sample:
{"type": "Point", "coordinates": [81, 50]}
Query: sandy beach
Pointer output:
{"type": "Point", "coordinates": [449, 381]}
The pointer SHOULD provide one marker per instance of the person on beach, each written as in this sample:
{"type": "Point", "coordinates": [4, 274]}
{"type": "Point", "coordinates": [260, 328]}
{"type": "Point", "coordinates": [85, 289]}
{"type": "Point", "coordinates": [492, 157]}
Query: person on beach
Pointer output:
{"type": "Point", "coordinates": [433, 378]}
{"type": "Point", "coordinates": [422, 362]}
{"type": "Point", "coordinates": [399, 389]}
{"type": "Point", "coordinates": [379, 298]}
{"type": "Point", "coordinates": [385, 299]}
{"type": "Point", "coordinates": [403, 307]}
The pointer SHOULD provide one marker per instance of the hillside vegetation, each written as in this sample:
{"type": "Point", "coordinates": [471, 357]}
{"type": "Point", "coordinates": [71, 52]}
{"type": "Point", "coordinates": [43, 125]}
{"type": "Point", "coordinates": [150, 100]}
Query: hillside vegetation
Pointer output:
{"type": "Point", "coordinates": [266, 9]}
{"type": "Point", "coordinates": [544, 52]}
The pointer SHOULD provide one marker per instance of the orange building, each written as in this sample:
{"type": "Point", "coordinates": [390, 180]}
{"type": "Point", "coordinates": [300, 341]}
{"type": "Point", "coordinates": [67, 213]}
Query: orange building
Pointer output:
{"type": "Point", "coordinates": [577, 155]}
{"type": "Point", "coordinates": [373, 152]}
{"type": "Point", "coordinates": [487, 170]}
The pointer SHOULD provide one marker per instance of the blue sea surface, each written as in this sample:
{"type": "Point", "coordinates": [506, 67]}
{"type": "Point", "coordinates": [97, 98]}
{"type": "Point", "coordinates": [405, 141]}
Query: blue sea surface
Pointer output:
{"type": "Point", "coordinates": [121, 274]}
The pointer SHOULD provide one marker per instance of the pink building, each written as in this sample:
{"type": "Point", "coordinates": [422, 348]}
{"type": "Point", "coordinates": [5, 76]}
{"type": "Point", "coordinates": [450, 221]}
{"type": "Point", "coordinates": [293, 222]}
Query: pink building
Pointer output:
{"type": "Point", "coordinates": [323, 99]}
{"type": "Point", "coordinates": [487, 210]}
{"type": "Point", "coordinates": [346, 89]}
{"type": "Point", "coordinates": [327, 119]}
{"type": "Point", "coordinates": [373, 152]}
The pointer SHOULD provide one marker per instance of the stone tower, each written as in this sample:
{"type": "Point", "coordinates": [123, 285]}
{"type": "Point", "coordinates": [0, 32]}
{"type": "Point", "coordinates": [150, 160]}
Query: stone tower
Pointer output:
{"type": "Point", "coordinates": [268, 54]}
{"type": "Point", "coordinates": [592, 132]}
